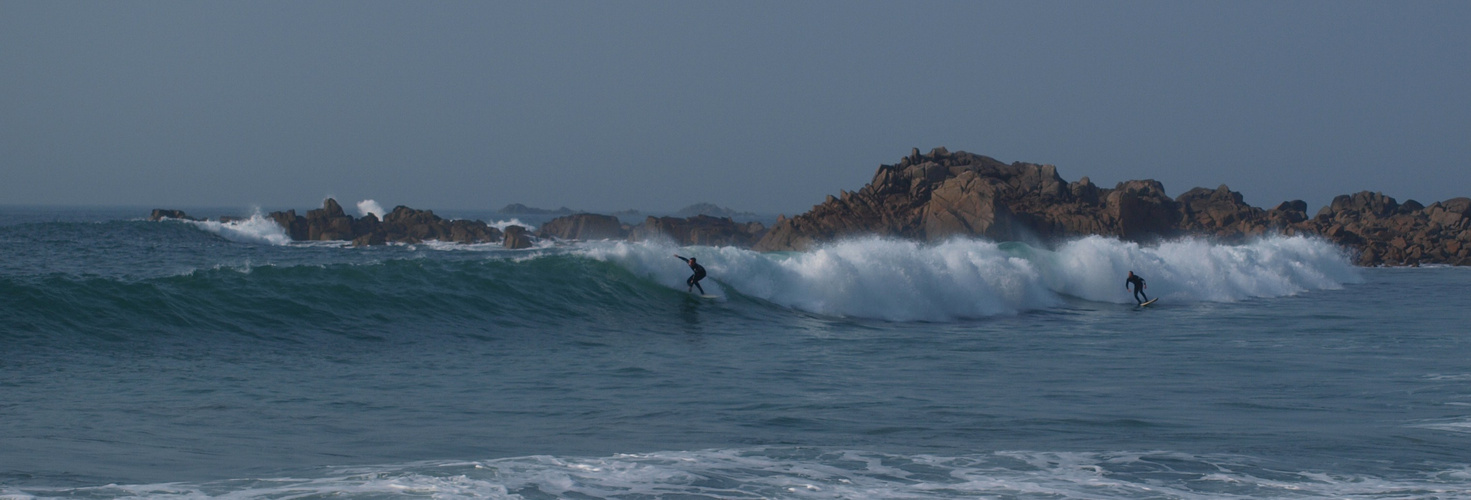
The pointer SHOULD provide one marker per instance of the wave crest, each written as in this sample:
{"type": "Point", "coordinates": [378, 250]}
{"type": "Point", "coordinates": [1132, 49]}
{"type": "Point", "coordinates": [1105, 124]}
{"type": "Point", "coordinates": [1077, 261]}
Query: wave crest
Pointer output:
{"type": "Point", "coordinates": [964, 278]}
{"type": "Point", "coordinates": [256, 229]}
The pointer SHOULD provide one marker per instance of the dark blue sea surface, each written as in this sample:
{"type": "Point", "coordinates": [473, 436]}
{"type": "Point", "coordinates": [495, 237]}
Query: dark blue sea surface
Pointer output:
{"type": "Point", "coordinates": [182, 360]}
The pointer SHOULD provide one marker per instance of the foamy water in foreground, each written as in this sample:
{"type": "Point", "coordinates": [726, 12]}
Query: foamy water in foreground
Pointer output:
{"type": "Point", "coordinates": [194, 360]}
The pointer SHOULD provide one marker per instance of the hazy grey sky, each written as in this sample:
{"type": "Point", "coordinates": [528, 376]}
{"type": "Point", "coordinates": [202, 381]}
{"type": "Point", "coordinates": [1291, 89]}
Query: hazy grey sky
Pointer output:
{"type": "Point", "coordinates": [761, 106]}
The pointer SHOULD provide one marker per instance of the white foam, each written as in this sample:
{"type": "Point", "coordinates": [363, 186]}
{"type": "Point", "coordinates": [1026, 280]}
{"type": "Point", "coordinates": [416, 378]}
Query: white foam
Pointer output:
{"type": "Point", "coordinates": [366, 207]}
{"type": "Point", "coordinates": [256, 229]}
{"type": "Point", "coordinates": [820, 474]}
{"type": "Point", "coordinates": [965, 278]}
{"type": "Point", "coordinates": [1459, 425]}
{"type": "Point", "coordinates": [493, 247]}
{"type": "Point", "coordinates": [1194, 270]}
{"type": "Point", "coordinates": [503, 224]}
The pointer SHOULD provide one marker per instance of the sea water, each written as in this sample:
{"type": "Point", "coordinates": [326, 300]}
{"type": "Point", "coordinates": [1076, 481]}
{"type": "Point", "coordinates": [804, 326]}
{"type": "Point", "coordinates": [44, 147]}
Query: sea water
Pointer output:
{"type": "Point", "coordinates": [198, 359]}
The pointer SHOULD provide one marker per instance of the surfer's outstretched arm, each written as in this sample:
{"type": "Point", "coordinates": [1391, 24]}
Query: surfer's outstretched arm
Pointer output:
{"type": "Point", "coordinates": [680, 257]}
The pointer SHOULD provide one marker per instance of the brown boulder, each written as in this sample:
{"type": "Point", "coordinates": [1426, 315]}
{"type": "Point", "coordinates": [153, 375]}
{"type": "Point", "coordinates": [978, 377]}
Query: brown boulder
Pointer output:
{"type": "Point", "coordinates": [370, 239]}
{"type": "Point", "coordinates": [1457, 205]}
{"type": "Point", "coordinates": [1365, 203]}
{"type": "Point", "coordinates": [517, 237]}
{"type": "Point", "coordinates": [1220, 211]}
{"type": "Point", "coordinates": [295, 226]}
{"type": "Point", "coordinates": [329, 223]}
{"type": "Point", "coordinates": [1288, 213]}
{"type": "Point", "coordinates": [407, 225]}
{"type": "Point", "coordinates": [1142, 210]}
{"type": "Point", "coordinates": [965, 205]}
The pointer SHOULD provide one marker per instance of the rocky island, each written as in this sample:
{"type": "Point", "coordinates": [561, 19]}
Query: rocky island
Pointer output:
{"type": "Point", "coordinates": [406, 225]}
{"type": "Point", "coordinates": [939, 195]}
{"type": "Point", "coordinates": [942, 194]}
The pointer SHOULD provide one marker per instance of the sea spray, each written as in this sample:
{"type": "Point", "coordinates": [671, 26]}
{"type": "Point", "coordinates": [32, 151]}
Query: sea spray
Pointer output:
{"type": "Point", "coordinates": [1193, 269]}
{"type": "Point", "coordinates": [366, 207]}
{"type": "Point", "coordinates": [503, 224]}
{"type": "Point", "coordinates": [256, 229]}
{"type": "Point", "coordinates": [872, 277]}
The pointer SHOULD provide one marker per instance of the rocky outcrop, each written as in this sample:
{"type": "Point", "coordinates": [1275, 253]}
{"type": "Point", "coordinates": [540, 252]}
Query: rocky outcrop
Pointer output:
{"type": "Point", "coordinates": [712, 210]}
{"type": "Point", "coordinates": [517, 237]}
{"type": "Point", "coordinates": [407, 225]}
{"type": "Point", "coordinates": [1385, 232]}
{"type": "Point", "coordinates": [584, 227]}
{"type": "Point", "coordinates": [699, 230]}
{"type": "Point", "coordinates": [329, 223]}
{"type": "Point", "coordinates": [519, 209]}
{"type": "Point", "coordinates": [939, 195]}
{"type": "Point", "coordinates": [402, 225]}
{"type": "Point", "coordinates": [162, 213]}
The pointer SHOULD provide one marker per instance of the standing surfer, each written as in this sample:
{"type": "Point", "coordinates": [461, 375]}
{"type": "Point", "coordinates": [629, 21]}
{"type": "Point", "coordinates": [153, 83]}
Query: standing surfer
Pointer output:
{"type": "Point", "coordinates": [1138, 287]}
{"type": "Point", "coordinates": [694, 281]}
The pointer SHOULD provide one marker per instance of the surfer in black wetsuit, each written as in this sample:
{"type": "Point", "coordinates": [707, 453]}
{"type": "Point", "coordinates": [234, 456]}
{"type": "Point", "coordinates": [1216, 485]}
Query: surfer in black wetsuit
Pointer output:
{"type": "Point", "coordinates": [1138, 287]}
{"type": "Point", "coordinates": [694, 281]}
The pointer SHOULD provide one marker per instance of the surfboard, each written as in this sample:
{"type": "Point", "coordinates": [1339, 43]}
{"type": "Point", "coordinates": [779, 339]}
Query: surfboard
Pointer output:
{"type": "Point", "coordinates": [1151, 301]}
{"type": "Point", "coordinates": [708, 296]}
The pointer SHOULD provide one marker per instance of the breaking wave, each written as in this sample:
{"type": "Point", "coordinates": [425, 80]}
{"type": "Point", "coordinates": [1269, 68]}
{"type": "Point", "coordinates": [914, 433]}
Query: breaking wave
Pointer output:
{"type": "Point", "coordinates": [256, 229]}
{"type": "Point", "coordinates": [875, 278]}
{"type": "Point", "coordinates": [964, 278]}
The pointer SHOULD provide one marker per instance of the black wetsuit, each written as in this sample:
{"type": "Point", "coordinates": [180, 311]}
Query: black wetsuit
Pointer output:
{"type": "Point", "coordinates": [1138, 287]}
{"type": "Point", "coordinates": [694, 281]}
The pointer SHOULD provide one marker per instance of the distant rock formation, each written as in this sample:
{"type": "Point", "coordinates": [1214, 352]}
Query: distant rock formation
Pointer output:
{"type": "Point", "coordinates": [162, 213]}
{"type": "Point", "coordinates": [402, 225]}
{"type": "Point", "coordinates": [519, 209]}
{"type": "Point", "coordinates": [935, 196]}
{"type": "Point", "coordinates": [410, 226]}
{"type": "Point", "coordinates": [699, 230]}
{"type": "Point", "coordinates": [584, 227]}
{"type": "Point", "coordinates": [710, 209]}
{"type": "Point", "coordinates": [938, 195]}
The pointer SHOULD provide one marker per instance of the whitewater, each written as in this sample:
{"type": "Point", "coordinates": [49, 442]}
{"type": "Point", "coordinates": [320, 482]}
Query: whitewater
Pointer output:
{"type": "Point", "coordinates": [182, 359]}
{"type": "Point", "coordinates": [966, 278]}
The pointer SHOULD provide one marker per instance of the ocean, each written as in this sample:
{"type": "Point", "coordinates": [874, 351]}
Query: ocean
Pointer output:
{"type": "Point", "coordinates": [182, 359]}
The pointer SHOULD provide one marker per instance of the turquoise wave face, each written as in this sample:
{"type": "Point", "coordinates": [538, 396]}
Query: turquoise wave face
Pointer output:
{"type": "Point", "coordinates": [270, 301]}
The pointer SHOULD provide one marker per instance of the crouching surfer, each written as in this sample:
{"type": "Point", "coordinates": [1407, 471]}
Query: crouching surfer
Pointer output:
{"type": "Point", "coordinates": [694, 281]}
{"type": "Point", "coordinates": [1139, 287]}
